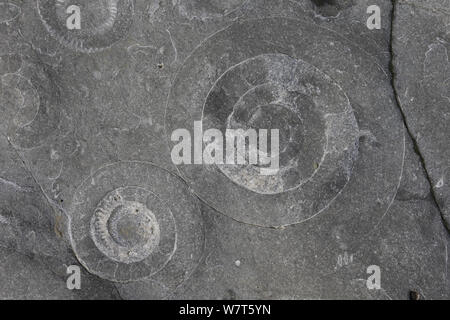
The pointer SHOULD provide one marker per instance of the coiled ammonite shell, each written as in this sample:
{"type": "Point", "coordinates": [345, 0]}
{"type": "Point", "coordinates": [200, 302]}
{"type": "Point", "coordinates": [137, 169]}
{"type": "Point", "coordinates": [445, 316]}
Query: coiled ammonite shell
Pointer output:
{"type": "Point", "coordinates": [103, 22]}
{"type": "Point", "coordinates": [8, 12]}
{"type": "Point", "coordinates": [323, 94]}
{"type": "Point", "coordinates": [317, 127]}
{"type": "Point", "coordinates": [30, 108]}
{"type": "Point", "coordinates": [126, 230]}
{"type": "Point", "coordinates": [132, 220]}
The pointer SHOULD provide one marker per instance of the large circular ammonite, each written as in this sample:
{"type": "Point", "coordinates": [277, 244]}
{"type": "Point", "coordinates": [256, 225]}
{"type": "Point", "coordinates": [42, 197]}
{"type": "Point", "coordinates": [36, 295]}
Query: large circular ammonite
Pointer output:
{"type": "Point", "coordinates": [132, 220]}
{"type": "Point", "coordinates": [102, 22]}
{"type": "Point", "coordinates": [320, 91]}
{"type": "Point", "coordinates": [318, 133]}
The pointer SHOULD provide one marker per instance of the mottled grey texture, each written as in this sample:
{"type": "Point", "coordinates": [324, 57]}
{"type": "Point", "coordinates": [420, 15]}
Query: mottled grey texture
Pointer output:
{"type": "Point", "coordinates": [86, 175]}
{"type": "Point", "coordinates": [33, 247]}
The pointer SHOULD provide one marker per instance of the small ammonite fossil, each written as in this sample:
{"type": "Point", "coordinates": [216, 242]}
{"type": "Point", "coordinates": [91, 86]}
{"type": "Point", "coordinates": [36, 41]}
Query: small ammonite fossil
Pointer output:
{"type": "Point", "coordinates": [132, 221]}
{"type": "Point", "coordinates": [102, 22]}
{"type": "Point", "coordinates": [30, 107]}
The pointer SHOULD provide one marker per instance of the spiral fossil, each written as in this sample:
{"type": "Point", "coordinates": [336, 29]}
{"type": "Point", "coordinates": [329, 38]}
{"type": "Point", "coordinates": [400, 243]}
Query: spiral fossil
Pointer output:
{"type": "Point", "coordinates": [251, 75]}
{"type": "Point", "coordinates": [30, 108]}
{"type": "Point", "coordinates": [132, 221]}
{"type": "Point", "coordinates": [103, 22]}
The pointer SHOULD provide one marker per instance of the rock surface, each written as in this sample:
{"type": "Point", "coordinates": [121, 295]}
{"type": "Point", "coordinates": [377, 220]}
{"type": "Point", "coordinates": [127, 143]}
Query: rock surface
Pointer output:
{"type": "Point", "coordinates": [87, 179]}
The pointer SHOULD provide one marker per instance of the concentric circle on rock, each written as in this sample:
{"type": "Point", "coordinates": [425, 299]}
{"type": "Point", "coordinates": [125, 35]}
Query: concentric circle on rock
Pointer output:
{"type": "Point", "coordinates": [10, 63]}
{"type": "Point", "coordinates": [133, 220]}
{"type": "Point", "coordinates": [321, 91]}
{"type": "Point", "coordinates": [102, 22]}
{"type": "Point", "coordinates": [30, 108]}
{"type": "Point", "coordinates": [317, 128]}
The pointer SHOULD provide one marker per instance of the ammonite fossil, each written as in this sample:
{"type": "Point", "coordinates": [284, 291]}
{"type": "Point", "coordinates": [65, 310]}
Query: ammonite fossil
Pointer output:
{"type": "Point", "coordinates": [132, 220]}
{"type": "Point", "coordinates": [317, 126]}
{"type": "Point", "coordinates": [323, 94]}
{"type": "Point", "coordinates": [102, 22]}
{"type": "Point", "coordinates": [8, 12]}
{"type": "Point", "coordinates": [30, 107]}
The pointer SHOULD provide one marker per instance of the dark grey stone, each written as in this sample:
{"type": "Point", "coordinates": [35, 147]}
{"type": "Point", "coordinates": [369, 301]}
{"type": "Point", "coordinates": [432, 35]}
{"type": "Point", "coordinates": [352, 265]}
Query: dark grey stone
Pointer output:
{"type": "Point", "coordinates": [107, 22]}
{"type": "Point", "coordinates": [422, 73]}
{"type": "Point", "coordinates": [107, 224]}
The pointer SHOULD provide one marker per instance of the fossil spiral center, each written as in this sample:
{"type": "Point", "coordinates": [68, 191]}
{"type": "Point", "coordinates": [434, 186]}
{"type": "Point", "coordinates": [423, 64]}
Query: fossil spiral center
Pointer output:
{"type": "Point", "coordinates": [132, 225]}
{"type": "Point", "coordinates": [125, 231]}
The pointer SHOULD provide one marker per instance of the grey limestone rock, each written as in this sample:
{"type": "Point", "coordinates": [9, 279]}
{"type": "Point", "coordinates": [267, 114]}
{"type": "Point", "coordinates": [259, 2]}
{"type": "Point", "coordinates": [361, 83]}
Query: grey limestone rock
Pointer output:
{"type": "Point", "coordinates": [86, 170]}
{"type": "Point", "coordinates": [422, 72]}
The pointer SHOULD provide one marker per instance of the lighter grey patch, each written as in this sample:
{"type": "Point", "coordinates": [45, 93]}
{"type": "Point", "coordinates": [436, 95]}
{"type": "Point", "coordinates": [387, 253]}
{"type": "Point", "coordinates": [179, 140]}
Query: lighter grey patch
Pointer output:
{"type": "Point", "coordinates": [130, 220]}
{"type": "Point", "coordinates": [126, 231]}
